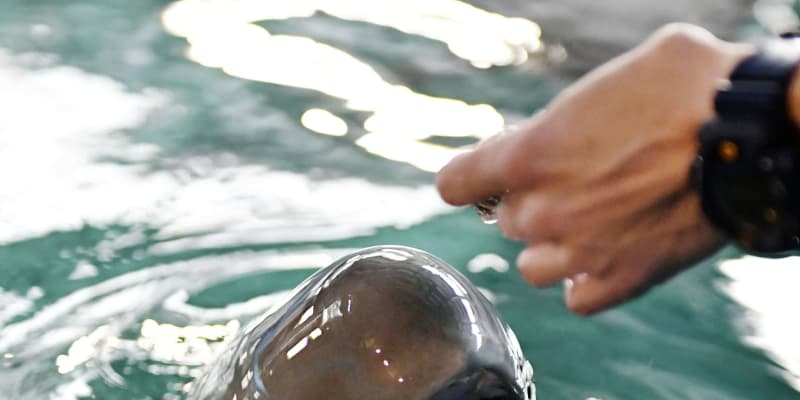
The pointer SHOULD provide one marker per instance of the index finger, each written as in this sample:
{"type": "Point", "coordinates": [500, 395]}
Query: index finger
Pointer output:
{"type": "Point", "coordinates": [492, 169]}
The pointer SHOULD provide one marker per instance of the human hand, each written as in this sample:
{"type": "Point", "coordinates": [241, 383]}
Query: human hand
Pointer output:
{"type": "Point", "coordinates": [597, 184]}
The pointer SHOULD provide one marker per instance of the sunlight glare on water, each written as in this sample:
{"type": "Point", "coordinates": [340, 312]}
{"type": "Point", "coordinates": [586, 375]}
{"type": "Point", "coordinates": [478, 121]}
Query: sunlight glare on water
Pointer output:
{"type": "Point", "coordinates": [69, 141]}
{"type": "Point", "coordinates": [479, 36]}
{"type": "Point", "coordinates": [222, 34]}
{"type": "Point", "coordinates": [768, 301]}
{"type": "Point", "coordinates": [324, 122]}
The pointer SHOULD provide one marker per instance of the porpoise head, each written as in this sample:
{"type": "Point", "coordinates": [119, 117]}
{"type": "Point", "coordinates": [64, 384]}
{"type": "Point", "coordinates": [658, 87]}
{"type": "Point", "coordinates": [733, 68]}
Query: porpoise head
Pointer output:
{"type": "Point", "coordinates": [384, 323]}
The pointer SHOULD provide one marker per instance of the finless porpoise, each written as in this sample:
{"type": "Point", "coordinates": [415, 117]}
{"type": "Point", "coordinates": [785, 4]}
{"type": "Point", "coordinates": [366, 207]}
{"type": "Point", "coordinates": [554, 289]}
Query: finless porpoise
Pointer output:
{"type": "Point", "coordinates": [384, 323]}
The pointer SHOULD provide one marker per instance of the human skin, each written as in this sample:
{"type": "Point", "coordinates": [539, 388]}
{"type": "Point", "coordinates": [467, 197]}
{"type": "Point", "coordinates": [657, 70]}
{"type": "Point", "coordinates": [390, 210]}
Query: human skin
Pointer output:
{"type": "Point", "coordinates": [597, 183]}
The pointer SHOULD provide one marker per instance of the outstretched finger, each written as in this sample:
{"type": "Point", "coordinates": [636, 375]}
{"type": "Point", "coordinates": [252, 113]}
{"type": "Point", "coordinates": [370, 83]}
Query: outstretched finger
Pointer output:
{"type": "Point", "coordinates": [495, 167]}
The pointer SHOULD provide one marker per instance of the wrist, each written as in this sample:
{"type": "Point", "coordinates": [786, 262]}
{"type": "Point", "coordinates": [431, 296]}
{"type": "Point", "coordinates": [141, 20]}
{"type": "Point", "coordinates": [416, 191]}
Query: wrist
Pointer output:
{"type": "Point", "coordinates": [747, 169]}
{"type": "Point", "coordinates": [793, 98]}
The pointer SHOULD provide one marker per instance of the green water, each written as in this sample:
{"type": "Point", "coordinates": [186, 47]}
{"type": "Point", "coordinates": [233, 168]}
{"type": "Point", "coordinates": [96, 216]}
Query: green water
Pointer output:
{"type": "Point", "coordinates": [145, 186]}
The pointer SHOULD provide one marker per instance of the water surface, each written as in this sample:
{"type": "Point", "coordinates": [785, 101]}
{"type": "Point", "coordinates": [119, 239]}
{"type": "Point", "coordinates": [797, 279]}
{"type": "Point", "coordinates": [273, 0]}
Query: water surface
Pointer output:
{"type": "Point", "coordinates": [170, 170]}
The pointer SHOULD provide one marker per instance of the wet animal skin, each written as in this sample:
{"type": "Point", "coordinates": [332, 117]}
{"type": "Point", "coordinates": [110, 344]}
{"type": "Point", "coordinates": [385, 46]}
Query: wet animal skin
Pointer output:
{"type": "Point", "coordinates": [384, 323]}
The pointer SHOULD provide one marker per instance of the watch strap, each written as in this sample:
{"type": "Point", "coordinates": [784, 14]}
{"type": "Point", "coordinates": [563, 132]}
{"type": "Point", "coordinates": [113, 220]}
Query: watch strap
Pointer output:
{"type": "Point", "coordinates": [748, 168]}
{"type": "Point", "coordinates": [758, 87]}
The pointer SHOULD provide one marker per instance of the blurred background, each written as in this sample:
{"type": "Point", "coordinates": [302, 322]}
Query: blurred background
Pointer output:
{"type": "Point", "coordinates": [170, 169]}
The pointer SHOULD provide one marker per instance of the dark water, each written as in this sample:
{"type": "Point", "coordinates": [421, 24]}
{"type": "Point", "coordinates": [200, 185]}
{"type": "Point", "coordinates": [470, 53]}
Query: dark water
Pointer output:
{"type": "Point", "coordinates": [157, 195]}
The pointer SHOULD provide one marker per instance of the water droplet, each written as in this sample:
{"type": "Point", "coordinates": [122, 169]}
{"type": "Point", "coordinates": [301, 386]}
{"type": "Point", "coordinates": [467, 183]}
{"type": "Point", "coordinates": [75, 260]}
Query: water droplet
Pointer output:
{"type": "Point", "coordinates": [487, 209]}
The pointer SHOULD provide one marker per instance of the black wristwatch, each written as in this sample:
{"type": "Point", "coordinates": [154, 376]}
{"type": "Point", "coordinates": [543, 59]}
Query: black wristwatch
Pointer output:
{"type": "Point", "coordinates": [748, 167]}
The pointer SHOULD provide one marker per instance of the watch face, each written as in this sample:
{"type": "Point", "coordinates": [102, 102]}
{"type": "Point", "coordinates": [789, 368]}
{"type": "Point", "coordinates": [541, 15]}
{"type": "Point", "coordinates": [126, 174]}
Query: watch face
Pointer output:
{"type": "Point", "coordinates": [748, 186]}
{"type": "Point", "coordinates": [754, 213]}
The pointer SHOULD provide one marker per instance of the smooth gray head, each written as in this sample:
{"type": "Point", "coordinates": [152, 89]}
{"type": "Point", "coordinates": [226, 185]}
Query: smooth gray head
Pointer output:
{"type": "Point", "coordinates": [384, 323]}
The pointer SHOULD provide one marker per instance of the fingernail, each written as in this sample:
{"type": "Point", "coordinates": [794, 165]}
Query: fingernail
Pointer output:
{"type": "Point", "coordinates": [523, 259]}
{"type": "Point", "coordinates": [568, 284]}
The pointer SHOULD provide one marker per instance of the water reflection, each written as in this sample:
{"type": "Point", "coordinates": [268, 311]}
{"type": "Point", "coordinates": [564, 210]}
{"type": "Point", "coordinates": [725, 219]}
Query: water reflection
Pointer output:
{"type": "Point", "coordinates": [82, 350]}
{"type": "Point", "coordinates": [767, 288]}
{"type": "Point", "coordinates": [222, 35]}
{"type": "Point", "coordinates": [479, 36]}
{"type": "Point", "coordinates": [90, 324]}
{"type": "Point", "coordinates": [777, 16]}
{"type": "Point", "coordinates": [324, 122]}
{"type": "Point", "coordinates": [184, 345]}
{"type": "Point", "coordinates": [171, 350]}
{"type": "Point", "coordinates": [213, 200]}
